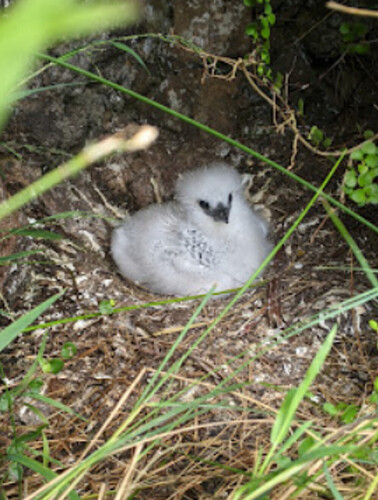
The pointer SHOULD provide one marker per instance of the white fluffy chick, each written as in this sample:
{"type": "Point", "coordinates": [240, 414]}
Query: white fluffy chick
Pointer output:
{"type": "Point", "coordinates": [208, 236]}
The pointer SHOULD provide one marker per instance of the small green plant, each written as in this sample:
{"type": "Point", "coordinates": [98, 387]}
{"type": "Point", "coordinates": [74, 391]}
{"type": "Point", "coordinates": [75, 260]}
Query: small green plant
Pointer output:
{"type": "Point", "coordinates": [56, 365]}
{"type": "Point", "coordinates": [25, 393]}
{"type": "Point", "coordinates": [106, 306]}
{"type": "Point", "coordinates": [344, 412]}
{"type": "Point", "coordinates": [359, 180]}
{"type": "Point", "coordinates": [260, 32]}
{"type": "Point", "coordinates": [353, 38]}
{"type": "Point", "coordinates": [317, 137]}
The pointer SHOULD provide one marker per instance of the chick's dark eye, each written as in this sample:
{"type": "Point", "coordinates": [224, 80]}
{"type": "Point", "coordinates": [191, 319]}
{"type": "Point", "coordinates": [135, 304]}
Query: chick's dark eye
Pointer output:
{"type": "Point", "coordinates": [203, 204]}
{"type": "Point", "coordinates": [230, 198]}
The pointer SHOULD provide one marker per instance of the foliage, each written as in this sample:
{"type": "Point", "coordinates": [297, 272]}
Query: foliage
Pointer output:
{"type": "Point", "coordinates": [318, 138]}
{"type": "Point", "coordinates": [259, 31]}
{"type": "Point", "coordinates": [352, 35]}
{"type": "Point", "coordinates": [345, 412]}
{"type": "Point", "coordinates": [360, 178]}
{"type": "Point", "coordinates": [27, 393]}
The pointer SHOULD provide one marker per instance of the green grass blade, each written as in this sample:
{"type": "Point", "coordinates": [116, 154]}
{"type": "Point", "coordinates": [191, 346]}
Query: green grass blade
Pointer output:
{"type": "Point", "coordinates": [39, 234]}
{"type": "Point", "coordinates": [38, 413]}
{"type": "Point", "coordinates": [16, 256]}
{"type": "Point", "coordinates": [17, 96]}
{"type": "Point", "coordinates": [129, 50]}
{"type": "Point", "coordinates": [373, 487]}
{"type": "Point", "coordinates": [335, 492]}
{"type": "Point", "coordinates": [56, 404]}
{"type": "Point", "coordinates": [293, 438]}
{"type": "Point", "coordinates": [283, 475]}
{"type": "Point", "coordinates": [10, 332]}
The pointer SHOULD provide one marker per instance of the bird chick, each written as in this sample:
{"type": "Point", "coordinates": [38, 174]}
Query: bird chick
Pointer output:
{"type": "Point", "coordinates": [209, 235]}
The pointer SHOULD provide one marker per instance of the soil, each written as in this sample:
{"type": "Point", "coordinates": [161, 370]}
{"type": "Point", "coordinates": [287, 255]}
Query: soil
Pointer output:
{"type": "Point", "coordinates": [314, 271]}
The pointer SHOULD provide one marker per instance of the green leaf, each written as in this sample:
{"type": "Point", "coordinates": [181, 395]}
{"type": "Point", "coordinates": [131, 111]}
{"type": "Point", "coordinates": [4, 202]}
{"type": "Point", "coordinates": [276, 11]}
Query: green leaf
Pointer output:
{"type": "Point", "coordinates": [368, 134]}
{"type": "Point", "coordinates": [278, 81]}
{"type": "Point", "coordinates": [365, 179]}
{"type": "Point", "coordinates": [69, 350]}
{"type": "Point", "coordinates": [5, 402]}
{"type": "Point", "coordinates": [106, 306]}
{"type": "Point", "coordinates": [374, 398]}
{"type": "Point", "coordinates": [371, 193]}
{"type": "Point", "coordinates": [54, 365]}
{"type": "Point", "coordinates": [268, 9]}
{"type": "Point", "coordinates": [330, 409]}
{"type": "Point", "coordinates": [362, 168]}
{"type": "Point", "coordinates": [350, 414]}
{"type": "Point", "coordinates": [272, 19]}
{"type": "Point", "coordinates": [372, 160]}
{"type": "Point", "coordinates": [360, 29]}
{"type": "Point", "coordinates": [265, 33]}
{"type": "Point", "coordinates": [358, 196]}
{"type": "Point", "coordinates": [374, 325]}
{"type": "Point", "coordinates": [283, 462]}
{"type": "Point", "coordinates": [260, 69]}
{"type": "Point", "coordinates": [348, 38]}
{"type": "Point", "coordinates": [306, 445]}
{"type": "Point", "coordinates": [264, 22]}
{"type": "Point", "coordinates": [344, 28]}
{"type": "Point", "coordinates": [252, 30]}
{"type": "Point", "coordinates": [35, 385]}
{"type": "Point", "coordinates": [351, 178]}
{"type": "Point", "coordinates": [369, 148]}
{"type": "Point", "coordinates": [316, 135]}
{"type": "Point", "coordinates": [361, 48]}
{"type": "Point", "coordinates": [357, 155]}
{"type": "Point", "coordinates": [13, 330]}
{"type": "Point", "coordinates": [265, 56]}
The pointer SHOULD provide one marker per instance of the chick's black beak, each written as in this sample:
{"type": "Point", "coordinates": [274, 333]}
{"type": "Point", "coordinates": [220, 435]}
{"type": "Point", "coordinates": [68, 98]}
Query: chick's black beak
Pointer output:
{"type": "Point", "coordinates": [221, 213]}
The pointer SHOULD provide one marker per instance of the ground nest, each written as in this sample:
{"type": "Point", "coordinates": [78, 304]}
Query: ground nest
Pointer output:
{"type": "Point", "coordinates": [247, 347]}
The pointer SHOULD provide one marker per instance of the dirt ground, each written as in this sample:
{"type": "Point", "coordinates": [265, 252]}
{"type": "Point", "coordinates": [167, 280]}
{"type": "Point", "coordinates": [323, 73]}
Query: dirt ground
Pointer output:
{"type": "Point", "coordinates": [314, 271]}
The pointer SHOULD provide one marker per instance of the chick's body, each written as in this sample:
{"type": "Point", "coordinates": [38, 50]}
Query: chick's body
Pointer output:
{"type": "Point", "coordinates": [208, 236]}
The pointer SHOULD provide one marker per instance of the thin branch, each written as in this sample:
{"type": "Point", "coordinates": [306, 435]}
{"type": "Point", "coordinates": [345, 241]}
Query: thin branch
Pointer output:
{"type": "Point", "coordinates": [352, 10]}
